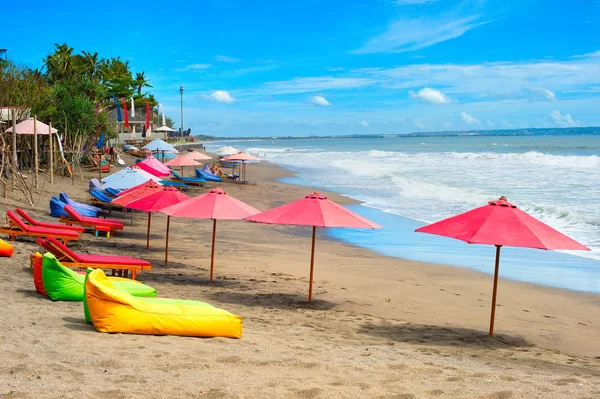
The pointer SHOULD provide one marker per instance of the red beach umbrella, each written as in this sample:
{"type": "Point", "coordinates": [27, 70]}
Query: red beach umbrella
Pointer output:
{"type": "Point", "coordinates": [243, 158]}
{"type": "Point", "coordinates": [317, 211]}
{"type": "Point", "coordinates": [215, 205]}
{"type": "Point", "coordinates": [144, 184]}
{"type": "Point", "coordinates": [141, 191]}
{"type": "Point", "coordinates": [155, 202]}
{"type": "Point", "coordinates": [182, 161]}
{"type": "Point", "coordinates": [501, 223]}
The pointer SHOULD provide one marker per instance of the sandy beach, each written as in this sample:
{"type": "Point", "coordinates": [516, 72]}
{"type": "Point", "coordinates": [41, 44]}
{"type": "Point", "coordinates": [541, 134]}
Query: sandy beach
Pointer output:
{"type": "Point", "coordinates": [378, 327]}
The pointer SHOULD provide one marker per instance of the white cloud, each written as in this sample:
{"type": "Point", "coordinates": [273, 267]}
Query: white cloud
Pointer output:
{"type": "Point", "coordinates": [307, 85]}
{"type": "Point", "coordinates": [222, 96]}
{"type": "Point", "coordinates": [470, 119]}
{"type": "Point", "coordinates": [364, 123]}
{"type": "Point", "coordinates": [414, 34]}
{"type": "Point", "coordinates": [430, 95]}
{"type": "Point", "coordinates": [197, 66]}
{"type": "Point", "coordinates": [563, 120]}
{"type": "Point", "coordinates": [420, 125]}
{"type": "Point", "coordinates": [501, 80]}
{"type": "Point", "coordinates": [490, 124]}
{"type": "Point", "coordinates": [224, 58]}
{"type": "Point", "coordinates": [320, 101]}
{"type": "Point", "coordinates": [543, 93]}
{"type": "Point", "coordinates": [408, 2]}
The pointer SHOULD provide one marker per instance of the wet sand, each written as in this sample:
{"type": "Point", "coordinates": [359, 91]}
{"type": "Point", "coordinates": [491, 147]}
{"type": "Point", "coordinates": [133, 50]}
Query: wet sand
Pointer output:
{"type": "Point", "coordinates": [378, 327]}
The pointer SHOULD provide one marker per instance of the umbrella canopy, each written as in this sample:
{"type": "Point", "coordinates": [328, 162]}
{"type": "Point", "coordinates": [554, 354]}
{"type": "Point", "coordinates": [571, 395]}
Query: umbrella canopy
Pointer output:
{"type": "Point", "coordinates": [164, 128]}
{"type": "Point", "coordinates": [141, 191]}
{"type": "Point", "coordinates": [154, 166]}
{"type": "Point", "coordinates": [127, 178]}
{"type": "Point", "coordinates": [215, 205]}
{"type": "Point", "coordinates": [154, 202]}
{"type": "Point", "coordinates": [240, 156]}
{"type": "Point", "coordinates": [147, 183]}
{"type": "Point", "coordinates": [317, 211]}
{"type": "Point", "coordinates": [159, 145]}
{"type": "Point", "coordinates": [243, 158]}
{"type": "Point", "coordinates": [501, 223]}
{"type": "Point", "coordinates": [182, 161]}
{"type": "Point", "coordinates": [26, 127]}
{"type": "Point", "coordinates": [227, 150]}
{"type": "Point", "coordinates": [197, 156]}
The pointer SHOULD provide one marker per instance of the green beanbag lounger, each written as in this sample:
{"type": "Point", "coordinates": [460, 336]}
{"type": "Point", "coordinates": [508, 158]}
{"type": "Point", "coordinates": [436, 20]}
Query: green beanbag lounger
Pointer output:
{"type": "Point", "coordinates": [63, 284]}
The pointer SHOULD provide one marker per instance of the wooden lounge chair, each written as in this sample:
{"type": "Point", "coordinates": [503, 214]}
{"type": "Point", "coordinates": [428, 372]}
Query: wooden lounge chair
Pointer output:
{"type": "Point", "coordinates": [121, 265]}
{"type": "Point", "coordinates": [187, 180]}
{"type": "Point", "coordinates": [89, 222]}
{"type": "Point", "coordinates": [33, 222]}
{"type": "Point", "coordinates": [16, 227]}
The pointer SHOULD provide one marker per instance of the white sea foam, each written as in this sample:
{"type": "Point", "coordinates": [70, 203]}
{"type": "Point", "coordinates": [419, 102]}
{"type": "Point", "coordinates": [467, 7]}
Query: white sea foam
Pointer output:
{"type": "Point", "coordinates": [561, 190]}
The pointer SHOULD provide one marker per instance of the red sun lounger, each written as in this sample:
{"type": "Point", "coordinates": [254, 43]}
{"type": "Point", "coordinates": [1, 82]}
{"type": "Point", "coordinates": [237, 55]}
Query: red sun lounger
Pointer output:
{"type": "Point", "coordinates": [16, 227]}
{"type": "Point", "coordinates": [90, 222]}
{"type": "Point", "coordinates": [33, 222]}
{"type": "Point", "coordinates": [72, 259]}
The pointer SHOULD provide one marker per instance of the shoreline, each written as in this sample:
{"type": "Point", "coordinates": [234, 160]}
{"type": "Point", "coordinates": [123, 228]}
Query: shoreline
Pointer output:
{"type": "Point", "coordinates": [346, 200]}
{"type": "Point", "coordinates": [378, 326]}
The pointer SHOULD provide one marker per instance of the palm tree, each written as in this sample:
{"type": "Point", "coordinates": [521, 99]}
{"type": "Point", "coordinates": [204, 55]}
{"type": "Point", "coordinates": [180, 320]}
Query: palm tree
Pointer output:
{"type": "Point", "coordinates": [140, 82]}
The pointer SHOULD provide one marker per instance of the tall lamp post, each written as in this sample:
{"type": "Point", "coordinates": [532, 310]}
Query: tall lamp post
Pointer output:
{"type": "Point", "coordinates": [181, 91]}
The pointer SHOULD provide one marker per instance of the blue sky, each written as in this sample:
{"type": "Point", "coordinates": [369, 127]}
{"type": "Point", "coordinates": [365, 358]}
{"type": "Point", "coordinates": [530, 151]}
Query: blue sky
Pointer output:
{"type": "Point", "coordinates": [340, 67]}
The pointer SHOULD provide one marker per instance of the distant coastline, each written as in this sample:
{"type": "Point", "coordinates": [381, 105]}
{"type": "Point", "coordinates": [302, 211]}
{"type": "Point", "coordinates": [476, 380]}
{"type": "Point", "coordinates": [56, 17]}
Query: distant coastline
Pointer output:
{"type": "Point", "coordinates": [566, 131]}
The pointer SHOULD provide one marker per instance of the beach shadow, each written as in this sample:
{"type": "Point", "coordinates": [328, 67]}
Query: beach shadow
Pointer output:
{"type": "Point", "coordinates": [77, 324]}
{"type": "Point", "coordinates": [419, 334]}
{"type": "Point", "coordinates": [31, 293]}
{"type": "Point", "coordinates": [276, 301]}
{"type": "Point", "coordinates": [186, 279]}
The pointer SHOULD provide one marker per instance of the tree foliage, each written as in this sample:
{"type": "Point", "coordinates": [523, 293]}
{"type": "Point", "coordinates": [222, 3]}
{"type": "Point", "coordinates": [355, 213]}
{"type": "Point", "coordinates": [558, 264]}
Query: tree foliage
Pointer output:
{"type": "Point", "coordinates": [72, 90]}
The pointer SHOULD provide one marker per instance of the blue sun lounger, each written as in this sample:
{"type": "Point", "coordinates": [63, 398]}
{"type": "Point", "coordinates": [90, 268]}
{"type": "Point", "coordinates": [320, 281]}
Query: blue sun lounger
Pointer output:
{"type": "Point", "coordinates": [176, 184]}
{"type": "Point", "coordinates": [201, 174]}
{"type": "Point", "coordinates": [187, 180]}
{"type": "Point", "coordinates": [112, 191]}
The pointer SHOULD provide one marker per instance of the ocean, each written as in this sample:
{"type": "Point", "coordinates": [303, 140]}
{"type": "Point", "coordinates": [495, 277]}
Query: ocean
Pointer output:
{"type": "Point", "coordinates": [406, 182]}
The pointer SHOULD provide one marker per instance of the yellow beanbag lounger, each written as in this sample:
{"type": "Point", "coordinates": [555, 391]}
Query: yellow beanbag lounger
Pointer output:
{"type": "Point", "coordinates": [115, 311]}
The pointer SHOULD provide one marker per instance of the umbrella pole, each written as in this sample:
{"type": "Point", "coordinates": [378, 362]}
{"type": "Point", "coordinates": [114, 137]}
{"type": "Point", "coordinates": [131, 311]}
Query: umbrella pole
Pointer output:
{"type": "Point", "coordinates": [491, 333]}
{"type": "Point", "coordinates": [167, 242]}
{"type": "Point", "coordinates": [312, 264]}
{"type": "Point", "coordinates": [212, 253]}
{"type": "Point", "coordinates": [148, 236]}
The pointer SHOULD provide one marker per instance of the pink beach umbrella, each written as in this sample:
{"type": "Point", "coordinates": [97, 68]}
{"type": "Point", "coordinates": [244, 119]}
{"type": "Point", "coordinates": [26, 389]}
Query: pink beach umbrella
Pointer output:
{"type": "Point", "coordinates": [198, 156]}
{"type": "Point", "coordinates": [317, 211]}
{"type": "Point", "coordinates": [182, 161]}
{"type": "Point", "coordinates": [215, 205]}
{"type": "Point", "coordinates": [501, 223]}
{"type": "Point", "coordinates": [154, 166]}
{"type": "Point", "coordinates": [243, 158]}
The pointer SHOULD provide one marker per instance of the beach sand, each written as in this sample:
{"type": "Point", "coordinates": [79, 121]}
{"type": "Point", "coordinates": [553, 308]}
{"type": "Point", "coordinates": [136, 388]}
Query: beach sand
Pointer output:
{"type": "Point", "coordinates": [378, 327]}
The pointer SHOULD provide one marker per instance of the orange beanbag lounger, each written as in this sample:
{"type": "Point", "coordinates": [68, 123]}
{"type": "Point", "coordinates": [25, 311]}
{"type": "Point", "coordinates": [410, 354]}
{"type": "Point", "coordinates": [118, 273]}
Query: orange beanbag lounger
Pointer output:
{"type": "Point", "coordinates": [6, 250]}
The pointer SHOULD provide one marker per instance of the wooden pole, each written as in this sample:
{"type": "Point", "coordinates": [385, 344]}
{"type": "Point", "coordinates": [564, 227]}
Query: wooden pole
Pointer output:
{"type": "Point", "coordinates": [51, 150]}
{"type": "Point", "coordinates": [212, 253]}
{"type": "Point", "coordinates": [167, 242]}
{"type": "Point", "coordinates": [312, 264]}
{"type": "Point", "coordinates": [35, 152]}
{"type": "Point", "coordinates": [14, 149]}
{"type": "Point", "coordinates": [148, 237]}
{"type": "Point", "coordinates": [495, 290]}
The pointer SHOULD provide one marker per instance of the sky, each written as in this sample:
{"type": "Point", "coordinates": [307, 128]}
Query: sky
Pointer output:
{"type": "Point", "coordinates": [315, 67]}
